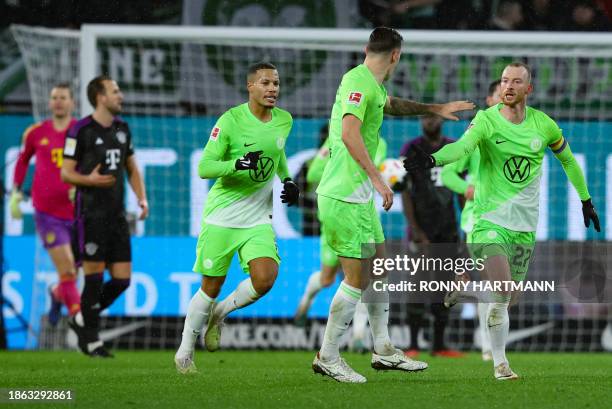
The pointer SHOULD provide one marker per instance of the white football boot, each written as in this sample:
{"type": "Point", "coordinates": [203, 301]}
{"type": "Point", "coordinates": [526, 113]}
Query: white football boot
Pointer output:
{"type": "Point", "coordinates": [184, 363]}
{"type": "Point", "coordinates": [397, 361]}
{"type": "Point", "coordinates": [338, 370]}
{"type": "Point", "coordinates": [504, 373]}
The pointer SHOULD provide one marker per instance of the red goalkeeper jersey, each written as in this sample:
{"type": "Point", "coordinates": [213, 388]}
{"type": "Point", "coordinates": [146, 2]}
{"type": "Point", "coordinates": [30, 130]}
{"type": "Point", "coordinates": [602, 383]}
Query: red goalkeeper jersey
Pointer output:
{"type": "Point", "coordinates": [49, 192]}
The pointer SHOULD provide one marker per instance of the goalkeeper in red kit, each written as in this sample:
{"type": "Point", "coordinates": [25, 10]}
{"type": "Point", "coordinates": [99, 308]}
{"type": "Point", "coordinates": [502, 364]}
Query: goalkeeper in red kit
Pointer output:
{"type": "Point", "coordinates": [54, 211]}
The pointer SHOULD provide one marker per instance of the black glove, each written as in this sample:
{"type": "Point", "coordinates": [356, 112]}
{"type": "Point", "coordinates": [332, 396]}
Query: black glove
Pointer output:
{"type": "Point", "coordinates": [248, 161]}
{"type": "Point", "coordinates": [589, 213]}
{"type": "Point", "coordinates": [290, 193]}
{"type": "Point", "coordinates": [417, 159]}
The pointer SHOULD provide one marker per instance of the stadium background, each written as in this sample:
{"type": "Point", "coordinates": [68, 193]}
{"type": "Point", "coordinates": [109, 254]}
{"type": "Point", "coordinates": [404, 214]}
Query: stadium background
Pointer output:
{"type": "Point", "coordinates": [170, 133]}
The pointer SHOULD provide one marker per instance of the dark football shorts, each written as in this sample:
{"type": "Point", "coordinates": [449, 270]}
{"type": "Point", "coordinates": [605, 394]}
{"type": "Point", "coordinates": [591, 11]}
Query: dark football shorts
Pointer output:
{"type": "Point", "coordinates": [103, 239]}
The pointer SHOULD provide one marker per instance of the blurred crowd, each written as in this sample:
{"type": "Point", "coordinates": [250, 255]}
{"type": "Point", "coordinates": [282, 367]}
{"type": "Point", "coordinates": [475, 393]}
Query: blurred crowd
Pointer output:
{"type": "Point", "coordinates": [549, 15]}
{"type": "Point", "coordinates": [538, 15]}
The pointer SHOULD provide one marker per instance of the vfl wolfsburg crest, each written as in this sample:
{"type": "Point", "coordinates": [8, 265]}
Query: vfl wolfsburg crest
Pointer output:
{"type": "Point", "coordinates": [296, 67]}
{"type": "Point", "coordinates": [517, 169]}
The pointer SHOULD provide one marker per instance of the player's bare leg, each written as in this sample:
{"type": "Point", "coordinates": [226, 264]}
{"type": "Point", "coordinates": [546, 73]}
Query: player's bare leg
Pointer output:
{"type": "Point", "coordinates": [66, 291]}
{"type": "Point", "coordinates": [498, 269]}
{"type": "Point", "coordinates": [316, 282]}
{"type": "Point", "coordinates": [263, 272]}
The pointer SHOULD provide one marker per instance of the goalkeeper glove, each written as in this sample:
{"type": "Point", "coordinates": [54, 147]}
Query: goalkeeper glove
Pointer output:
{"type": "Point", "coordinates": [417, 159]}
{"type": "Point", "coordinates": [16, 198]}
{"type": "Point", "coordinates": [290, 193]}
{"type": "Point", "coordinates": [72, 194]}
{"type": "Point", "coordinates": [589, 213]}
{"type": "Point", "coordinates": [248, 161]}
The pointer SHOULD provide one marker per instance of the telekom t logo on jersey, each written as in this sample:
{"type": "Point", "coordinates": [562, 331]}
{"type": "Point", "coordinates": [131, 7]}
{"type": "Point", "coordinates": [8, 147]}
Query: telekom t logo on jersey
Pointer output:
{"type": "Point", "coordinates": [112, 158]}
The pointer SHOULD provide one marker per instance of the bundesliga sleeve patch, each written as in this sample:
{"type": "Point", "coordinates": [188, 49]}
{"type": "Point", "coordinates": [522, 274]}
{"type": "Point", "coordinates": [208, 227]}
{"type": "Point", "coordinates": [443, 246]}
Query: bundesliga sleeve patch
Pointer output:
{"type": "Point", "coordinates": [355, 98]}
{"type": "Point", "coordinates": [214, 134]}
{"type": "Point", "coordinates": [70, 146]}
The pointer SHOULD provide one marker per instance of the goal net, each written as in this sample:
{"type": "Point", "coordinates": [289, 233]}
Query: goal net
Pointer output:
{"type": "Point", "coordinates": [178, 80]}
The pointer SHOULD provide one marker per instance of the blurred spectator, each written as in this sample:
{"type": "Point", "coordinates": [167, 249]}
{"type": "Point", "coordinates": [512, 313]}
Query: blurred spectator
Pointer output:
{"type": "Point", "coordinates": [606, 6]}
{"type": "Point", "coordinates": [462, 14]}
{"type": "Point", "coordinates": [400, 13]}
{"type": "Point", "coordinates": [541, 15]}
{"type": "Point", "coordinates": [508, 16]}
{"type": "Point", "coordinates": [73, 13]}
{"type": "Point", "coordinates": [585, 15]}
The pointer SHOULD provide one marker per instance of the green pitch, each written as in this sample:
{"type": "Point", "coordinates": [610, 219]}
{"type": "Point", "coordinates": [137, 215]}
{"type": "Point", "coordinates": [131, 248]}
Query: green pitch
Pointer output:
{"type": "Point", "coordinates": [257, 379]}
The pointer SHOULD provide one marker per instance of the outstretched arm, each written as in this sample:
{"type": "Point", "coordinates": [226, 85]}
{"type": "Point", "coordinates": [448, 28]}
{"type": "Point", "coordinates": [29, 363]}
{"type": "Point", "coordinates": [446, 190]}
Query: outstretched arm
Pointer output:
{"type": "Point", "coordinates": [568, 161]}
{"type": "Point", "coordinates": [452, 152]}
{"type": "Point", "coordinates": [450, 176]}
{"type": "Point", "coordinates": [572, 169]}
{"type": "Point", "coordinates": [405, 107]}
{"type": "Point", "coordinates": [457, 150]}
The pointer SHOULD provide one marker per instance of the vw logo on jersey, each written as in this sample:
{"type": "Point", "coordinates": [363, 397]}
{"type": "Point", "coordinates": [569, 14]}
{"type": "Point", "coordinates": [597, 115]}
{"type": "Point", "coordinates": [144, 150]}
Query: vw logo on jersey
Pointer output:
{"type": "Point", "coordinates": [536, 144]}
{"type": "Point", "coordinates": [265, 166]}
{"type": "Point", "coordinates": [280, 142]}
{"type": "Point", "coordinates": [517, 169]}
{"type": "Point", "coordinates": [121, 136]}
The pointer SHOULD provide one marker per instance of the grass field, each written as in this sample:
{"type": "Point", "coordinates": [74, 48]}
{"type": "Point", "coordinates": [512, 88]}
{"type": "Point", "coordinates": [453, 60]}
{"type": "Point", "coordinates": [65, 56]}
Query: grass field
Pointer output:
{"type": "Point", "coordinates": [256, 379]}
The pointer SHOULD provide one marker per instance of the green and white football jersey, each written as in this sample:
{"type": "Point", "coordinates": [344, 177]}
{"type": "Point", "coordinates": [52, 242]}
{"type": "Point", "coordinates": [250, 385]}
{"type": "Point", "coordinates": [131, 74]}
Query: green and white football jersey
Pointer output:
{"type": "Point", "coordinates": [243, 198]}
{"type": "Point", "coordinates": [359, 94]}
{"type": "Point", "coordinates": [318, 163]}
{"type": "Point", "coordinates": [509, 172]}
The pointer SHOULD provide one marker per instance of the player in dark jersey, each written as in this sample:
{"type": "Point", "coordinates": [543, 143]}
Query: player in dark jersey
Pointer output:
{"type": "Point", "coordinates": [98, 156]}
{"type": "Point", "coordinates": [429, 209]}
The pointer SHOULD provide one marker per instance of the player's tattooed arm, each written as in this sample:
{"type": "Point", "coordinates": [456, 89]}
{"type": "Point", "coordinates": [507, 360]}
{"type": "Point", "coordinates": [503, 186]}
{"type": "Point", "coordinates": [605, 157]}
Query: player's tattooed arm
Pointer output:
{"type": "Point", "coordinates": [405, 107]}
